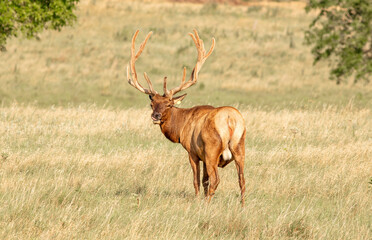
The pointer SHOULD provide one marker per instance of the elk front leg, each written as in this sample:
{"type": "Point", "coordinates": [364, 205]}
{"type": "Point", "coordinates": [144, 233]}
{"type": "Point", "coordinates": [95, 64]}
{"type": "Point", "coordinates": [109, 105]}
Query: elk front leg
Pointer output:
{"type": "Point", "coordinates": [194, 161]}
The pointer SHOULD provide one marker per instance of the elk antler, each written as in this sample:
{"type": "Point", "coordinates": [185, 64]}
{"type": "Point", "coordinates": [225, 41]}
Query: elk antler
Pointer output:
{"type": "Point", "coordinates": [202, 56]}
{"type": "Point", "coordinates": [133, 58]}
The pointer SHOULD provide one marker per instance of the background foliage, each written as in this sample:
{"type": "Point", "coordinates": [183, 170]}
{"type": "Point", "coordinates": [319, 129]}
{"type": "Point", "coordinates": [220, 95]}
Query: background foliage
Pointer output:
{"type": "Point", "coordinates": [28, 17]}
{"type": "Point", "coordinates": [342, 32]}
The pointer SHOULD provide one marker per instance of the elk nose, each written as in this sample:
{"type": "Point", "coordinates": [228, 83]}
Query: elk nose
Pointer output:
{"type": "Point", "coordinates": [156, 116]}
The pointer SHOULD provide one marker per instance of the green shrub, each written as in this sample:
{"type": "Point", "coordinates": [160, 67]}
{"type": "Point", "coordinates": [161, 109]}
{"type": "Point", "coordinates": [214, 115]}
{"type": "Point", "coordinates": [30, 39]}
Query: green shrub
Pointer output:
{"type": "Point", "coordinates": [342, 31]}
{"type": "Point", "coordinates": [28, 17]}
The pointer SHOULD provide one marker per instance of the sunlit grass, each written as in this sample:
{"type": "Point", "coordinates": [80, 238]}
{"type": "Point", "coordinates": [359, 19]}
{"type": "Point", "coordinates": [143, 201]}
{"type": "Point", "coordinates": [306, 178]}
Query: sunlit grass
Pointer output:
{"type": "Point", "coordinates": [89, 172]}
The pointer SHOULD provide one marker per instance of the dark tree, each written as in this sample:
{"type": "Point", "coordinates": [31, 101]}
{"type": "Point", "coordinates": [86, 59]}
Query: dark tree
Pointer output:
{"type": "Point", "coordinates": [342, 33]}
{"type": "Point", "coordinates": [29, 17]}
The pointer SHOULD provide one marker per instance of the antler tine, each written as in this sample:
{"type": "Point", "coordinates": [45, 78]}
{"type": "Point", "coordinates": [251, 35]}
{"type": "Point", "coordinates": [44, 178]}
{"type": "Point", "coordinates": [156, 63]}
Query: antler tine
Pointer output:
{"type": "Point", "coordinates": [211, 49]}
{"type": "Point", "coordinates": [184, 76]}
{"type": "Point", "coordinates": [143, 44]}
{"type": "Point", "coordinates": [149, 83]}
{"type": "Point", "coordinates": [133, 47]}
{"type": "Point", "coordinates": [196, 36]}
{"type": "Point", "coordinates": [202, 56]}
{"type": "Point", "coordinates": [131, 69]}
{"type": "Point", "coordinates": [166, 92]}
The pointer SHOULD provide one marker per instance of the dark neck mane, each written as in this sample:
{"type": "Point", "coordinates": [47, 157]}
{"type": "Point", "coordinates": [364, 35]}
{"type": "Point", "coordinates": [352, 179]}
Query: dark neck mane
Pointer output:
{"type": "Point", "coordinates": [173, 123]}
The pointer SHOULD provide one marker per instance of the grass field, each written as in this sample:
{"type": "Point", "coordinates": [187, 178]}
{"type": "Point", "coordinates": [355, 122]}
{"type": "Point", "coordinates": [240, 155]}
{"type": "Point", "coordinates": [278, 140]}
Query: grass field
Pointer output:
{"type": "Point", "coordinates": [80, 158]}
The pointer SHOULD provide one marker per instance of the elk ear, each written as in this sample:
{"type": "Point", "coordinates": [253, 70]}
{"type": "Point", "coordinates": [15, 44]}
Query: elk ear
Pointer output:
{"type": "Point", "coordinates": [177, 100]}
{"type": "Point", "coordinates": [150, 96]}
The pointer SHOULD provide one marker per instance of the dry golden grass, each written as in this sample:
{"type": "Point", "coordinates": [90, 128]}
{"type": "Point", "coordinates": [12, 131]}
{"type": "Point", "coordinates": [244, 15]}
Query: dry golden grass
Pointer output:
{"type": "Point", "coordinates": [98, 173]}
{"type": "Point", "coordinates": [78, 163]}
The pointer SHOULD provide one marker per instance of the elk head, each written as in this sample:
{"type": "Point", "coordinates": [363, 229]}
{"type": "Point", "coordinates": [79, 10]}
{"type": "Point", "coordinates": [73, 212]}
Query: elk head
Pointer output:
{"type": "Point", "coordinates": [161, 104]}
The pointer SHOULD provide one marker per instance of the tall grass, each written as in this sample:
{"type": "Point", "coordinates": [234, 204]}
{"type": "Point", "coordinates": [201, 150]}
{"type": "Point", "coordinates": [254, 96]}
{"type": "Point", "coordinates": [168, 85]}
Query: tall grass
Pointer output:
{"type": "Point", "coordinates": [94, 173]}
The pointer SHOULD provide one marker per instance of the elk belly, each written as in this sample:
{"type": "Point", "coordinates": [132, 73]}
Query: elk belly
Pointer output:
{"type": "Point", "coordinates": [226, 154]}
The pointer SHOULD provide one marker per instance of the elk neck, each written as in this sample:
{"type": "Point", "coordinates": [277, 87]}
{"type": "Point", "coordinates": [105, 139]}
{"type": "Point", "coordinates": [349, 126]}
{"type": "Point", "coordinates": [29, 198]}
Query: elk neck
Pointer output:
{"type": "Point", "coordinates": [173, 121]}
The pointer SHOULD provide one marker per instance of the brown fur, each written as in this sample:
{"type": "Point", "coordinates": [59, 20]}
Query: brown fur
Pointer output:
{"type": "Point", "coordinates": [205, 132]}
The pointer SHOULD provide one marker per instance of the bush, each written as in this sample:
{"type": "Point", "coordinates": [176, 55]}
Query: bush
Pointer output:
{"type": "Point", "coordinates": [342, 32]}
{"type": "Point", "coordinates": [29, 17]}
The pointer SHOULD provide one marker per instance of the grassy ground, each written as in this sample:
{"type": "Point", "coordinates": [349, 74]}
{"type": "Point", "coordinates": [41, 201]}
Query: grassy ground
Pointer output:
{"type": "Point", "coordinates": [80, 158]}
{"type": "Point", "coordinates": [109, 174]}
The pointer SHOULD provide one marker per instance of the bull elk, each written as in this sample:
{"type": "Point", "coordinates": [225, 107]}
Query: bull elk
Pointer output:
{"type": "Point", "coordinates": [214, 136]}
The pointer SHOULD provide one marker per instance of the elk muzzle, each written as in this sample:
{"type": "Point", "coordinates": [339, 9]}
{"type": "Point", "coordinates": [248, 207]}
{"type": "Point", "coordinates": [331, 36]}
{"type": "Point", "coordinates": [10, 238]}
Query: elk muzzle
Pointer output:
{"type": "Point", "coordinates": [155, 116]}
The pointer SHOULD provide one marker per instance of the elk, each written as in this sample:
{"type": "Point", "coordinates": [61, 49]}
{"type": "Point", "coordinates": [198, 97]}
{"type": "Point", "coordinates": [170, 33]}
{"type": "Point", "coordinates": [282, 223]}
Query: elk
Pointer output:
{"type": "Point", "coordinates": [212, 135]}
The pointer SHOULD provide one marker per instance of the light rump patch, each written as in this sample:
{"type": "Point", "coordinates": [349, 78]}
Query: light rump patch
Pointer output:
{"type": "Point", "coordinates": [226, 154]}
{"type": "Point", "coordinates": [213, 136]}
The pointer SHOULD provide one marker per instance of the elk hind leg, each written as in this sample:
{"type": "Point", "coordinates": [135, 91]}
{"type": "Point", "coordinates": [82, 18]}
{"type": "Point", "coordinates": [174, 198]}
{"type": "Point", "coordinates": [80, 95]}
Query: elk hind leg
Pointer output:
{"type": "Point", "coordinates": [238, 153]}
{"type": "Point", "coordinates": [212, 171]}
{"type": "Point", "coordinates": [205, 180]}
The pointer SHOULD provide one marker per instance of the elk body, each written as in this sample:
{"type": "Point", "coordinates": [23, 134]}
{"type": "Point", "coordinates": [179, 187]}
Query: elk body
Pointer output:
{"type": "Point", "coordinates": [211, 136]}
